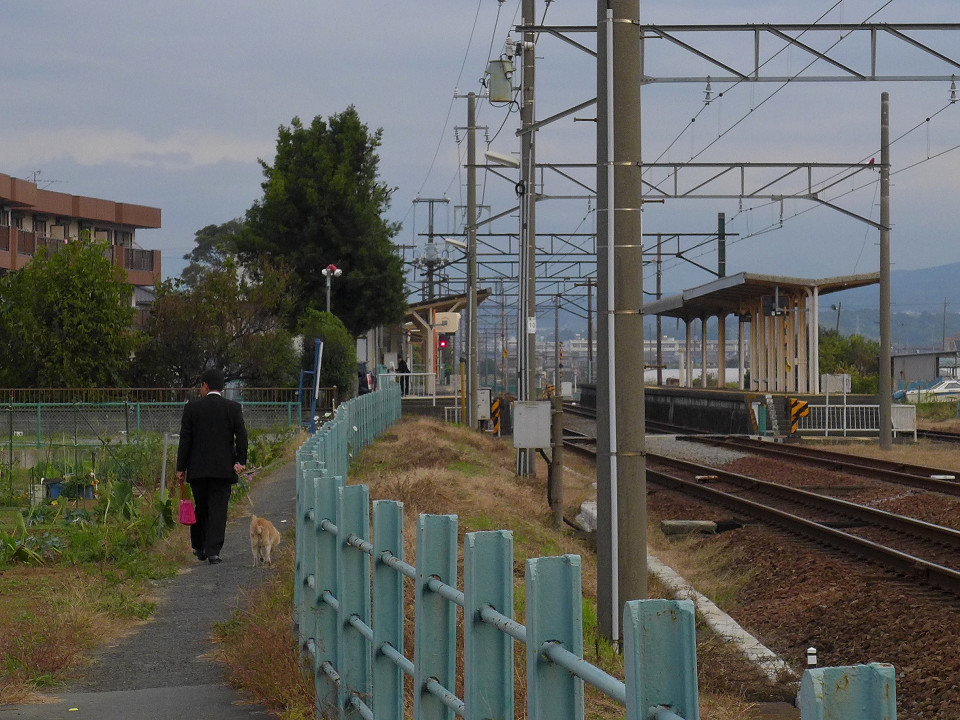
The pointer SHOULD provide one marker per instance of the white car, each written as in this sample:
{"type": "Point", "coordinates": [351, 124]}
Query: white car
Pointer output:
{"type": "Point", "coordinates": [938, 392]}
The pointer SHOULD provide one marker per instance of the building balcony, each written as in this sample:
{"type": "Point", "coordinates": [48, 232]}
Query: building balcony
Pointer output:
{"type": "Point", "coordinates": [17, 248]}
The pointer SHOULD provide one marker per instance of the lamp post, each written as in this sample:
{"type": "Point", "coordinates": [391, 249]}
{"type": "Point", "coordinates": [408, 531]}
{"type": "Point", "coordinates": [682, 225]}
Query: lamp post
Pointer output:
{"type": "Point", "coordinates": [329, 272]}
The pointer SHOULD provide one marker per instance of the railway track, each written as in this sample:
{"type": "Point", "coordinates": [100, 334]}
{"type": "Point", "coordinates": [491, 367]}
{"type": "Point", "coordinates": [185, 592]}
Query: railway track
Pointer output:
{"type": "Point", "coordinates": [923, 551]}
{"type": "Point", "coordinates": [925, 478]}
{"type": "Point", "coordinates": [939, 436]}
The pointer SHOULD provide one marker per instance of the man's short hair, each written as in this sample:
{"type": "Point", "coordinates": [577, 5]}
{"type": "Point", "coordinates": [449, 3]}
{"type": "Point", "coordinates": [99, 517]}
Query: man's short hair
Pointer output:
{"type": "Point", "coordinates": [213, 378]}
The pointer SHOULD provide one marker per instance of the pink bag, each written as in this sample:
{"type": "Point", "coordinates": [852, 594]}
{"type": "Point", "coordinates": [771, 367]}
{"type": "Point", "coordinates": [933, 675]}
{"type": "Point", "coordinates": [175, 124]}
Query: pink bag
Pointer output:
{"type": "Point", "coordinates": [187, 515]}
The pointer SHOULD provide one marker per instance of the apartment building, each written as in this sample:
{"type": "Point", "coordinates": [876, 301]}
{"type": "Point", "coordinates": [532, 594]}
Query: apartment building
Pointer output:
{"type": "Point", "coordinates": [31, 218]}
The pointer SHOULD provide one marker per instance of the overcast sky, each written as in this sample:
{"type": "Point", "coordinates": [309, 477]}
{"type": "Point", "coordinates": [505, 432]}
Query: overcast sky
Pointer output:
{"type": "Point", "coordinates": [171, 103]}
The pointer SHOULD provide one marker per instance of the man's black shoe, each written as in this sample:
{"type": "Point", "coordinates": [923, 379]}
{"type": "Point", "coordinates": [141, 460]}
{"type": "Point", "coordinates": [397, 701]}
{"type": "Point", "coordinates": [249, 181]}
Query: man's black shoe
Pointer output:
{"type": "Point", "coordinates": [199, 555]}
{"type": "Point", "coordinates": [214, 560]}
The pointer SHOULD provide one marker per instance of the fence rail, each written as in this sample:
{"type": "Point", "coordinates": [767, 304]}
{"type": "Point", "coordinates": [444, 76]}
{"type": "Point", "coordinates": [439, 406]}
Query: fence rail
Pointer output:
{"type": "Point", "coordinates": [843, 420]}
{"type": "Point", "coordinates": [412, 384]}
{"type": "Point", "coordinates": [40, 425]}
{"type": "Point", "coordinates": [326, 399]}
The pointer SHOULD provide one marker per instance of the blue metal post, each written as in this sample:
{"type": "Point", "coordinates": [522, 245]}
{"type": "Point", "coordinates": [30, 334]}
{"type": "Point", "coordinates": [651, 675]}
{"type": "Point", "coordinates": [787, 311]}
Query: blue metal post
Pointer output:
{"type": "Point", "coordinates": [853, 692]}
{"type": "Point", "coordinates": [660, 657]}
{"type": "Point", "coordinates": [387, 609]}
{"type": "Point", "coordinates": [488, 652]}
{"type": "Point", "coordinates": [435, 644]}
{"type": "Point", "coordinates": [353, 586]}
{"type": "Point", "coordinates": [554, 614]}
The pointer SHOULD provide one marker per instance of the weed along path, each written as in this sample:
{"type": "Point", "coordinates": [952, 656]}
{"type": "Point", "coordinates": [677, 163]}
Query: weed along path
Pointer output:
{"type": "Point", "coordinates": [163, 670]}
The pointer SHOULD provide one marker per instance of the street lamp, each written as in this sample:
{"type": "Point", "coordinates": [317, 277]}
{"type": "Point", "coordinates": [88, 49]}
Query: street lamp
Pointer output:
{"type": "Point", "coordinates": [329, 272]}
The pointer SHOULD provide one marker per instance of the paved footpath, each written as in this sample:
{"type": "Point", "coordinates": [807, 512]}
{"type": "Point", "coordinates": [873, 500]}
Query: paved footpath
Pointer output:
{"type": "Point", "coordinates": [162, 671]}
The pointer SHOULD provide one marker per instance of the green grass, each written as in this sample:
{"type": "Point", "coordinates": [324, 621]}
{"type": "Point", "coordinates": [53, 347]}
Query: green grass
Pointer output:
{"type": "Point", "coordinates": [936, 411]}
{"type": "Point", "coordinates": [468, 469]}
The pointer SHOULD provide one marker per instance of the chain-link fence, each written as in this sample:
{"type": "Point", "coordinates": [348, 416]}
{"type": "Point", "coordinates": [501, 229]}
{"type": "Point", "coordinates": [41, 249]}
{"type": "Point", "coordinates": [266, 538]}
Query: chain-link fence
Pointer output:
{"type": "Point", "coordinates": [29, 429]}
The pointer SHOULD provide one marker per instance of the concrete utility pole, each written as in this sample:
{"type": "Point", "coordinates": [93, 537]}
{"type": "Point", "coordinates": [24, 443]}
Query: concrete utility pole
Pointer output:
{"type": "Point", "coordinates": [555, 470]}
{"type": "Point", "coordinates": [885, 381]}
{"type": "Point", "coordinates": [527, 326]}
{"type": "Point", "coordinates": [621, 469]}
{"type": "Point", "coordinates": [471, 413]}
{"type": "Point", "coordinates": [589, 284]}
{"type": "Point", "coordinates": [659, 317]}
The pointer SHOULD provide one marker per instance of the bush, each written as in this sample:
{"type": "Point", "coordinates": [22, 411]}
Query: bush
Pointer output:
{"type": "Point", "coordinates": [339, 364]}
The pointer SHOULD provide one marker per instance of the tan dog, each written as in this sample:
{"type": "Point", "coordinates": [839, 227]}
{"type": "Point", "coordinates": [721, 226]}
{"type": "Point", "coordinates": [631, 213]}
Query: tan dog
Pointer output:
{"type": "Point", "coordinates": [264, 537]}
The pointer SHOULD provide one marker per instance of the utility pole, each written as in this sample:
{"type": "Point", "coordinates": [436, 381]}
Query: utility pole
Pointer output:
{"type": "Point", "coordinates": [527, 325]}
{"type": "Point", "coordinates": [659, 317]}
{"type": "Point", "coordinates": [555, 470]}
{"type": "Point", "coordinates": [503, 340]}
{"type": "Point", "coordinates": [472, 260]}
{"type": "Point", "coordinates": [589, 283]}
{"type": "Point", "coordinates": [431, 259]}
{"type": "Point", "coordinates": [621, 469]}
{"type": "Point", "coordinates": [885, 381]}
{"type": "Point", "coordinates": [721, 245]}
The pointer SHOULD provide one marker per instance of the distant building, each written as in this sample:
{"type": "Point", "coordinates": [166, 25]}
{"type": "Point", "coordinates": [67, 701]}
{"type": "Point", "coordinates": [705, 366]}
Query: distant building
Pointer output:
{"type": "Point", "coordinates": [31, 218]}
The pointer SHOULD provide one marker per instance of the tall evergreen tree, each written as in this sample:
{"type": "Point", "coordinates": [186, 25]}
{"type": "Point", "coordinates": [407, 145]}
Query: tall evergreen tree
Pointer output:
{"type": "Point", "coordinates": [323, 204]}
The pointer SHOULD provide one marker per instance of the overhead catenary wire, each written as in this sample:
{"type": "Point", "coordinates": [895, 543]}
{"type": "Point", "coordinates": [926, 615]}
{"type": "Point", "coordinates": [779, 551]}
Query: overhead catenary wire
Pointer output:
{"type": "Point", "coordinates": [770, 59]}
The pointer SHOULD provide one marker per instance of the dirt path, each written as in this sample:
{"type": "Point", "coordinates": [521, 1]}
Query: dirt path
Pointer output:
{"type": "Point", "coordinates": [163, 670]}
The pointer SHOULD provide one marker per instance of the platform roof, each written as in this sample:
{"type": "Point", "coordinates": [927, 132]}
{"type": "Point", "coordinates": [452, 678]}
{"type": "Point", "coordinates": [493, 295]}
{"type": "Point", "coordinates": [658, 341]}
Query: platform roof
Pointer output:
{"type": "Point", "coordinates": [734, 294]}
{"type": "Point", "coordinates": [447, 303]}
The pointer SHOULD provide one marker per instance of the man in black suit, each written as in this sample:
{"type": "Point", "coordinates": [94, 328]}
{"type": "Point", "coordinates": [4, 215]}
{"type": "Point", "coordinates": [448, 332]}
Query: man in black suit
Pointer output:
{"type": "Point", "coordinates": [212, 452]}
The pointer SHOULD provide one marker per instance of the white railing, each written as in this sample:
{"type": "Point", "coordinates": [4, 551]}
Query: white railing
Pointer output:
{"type": "Point", "coordinates": [413, 385]}
{"type": "Point", "coordinates": [841, 420]}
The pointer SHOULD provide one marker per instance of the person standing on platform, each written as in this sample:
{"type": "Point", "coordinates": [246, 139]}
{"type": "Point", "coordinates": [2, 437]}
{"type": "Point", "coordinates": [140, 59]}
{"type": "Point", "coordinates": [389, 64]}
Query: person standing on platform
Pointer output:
{"type": "Point", "coordinates": [211, 455]}
{"type": "Point", "coordinates": [404, 372]}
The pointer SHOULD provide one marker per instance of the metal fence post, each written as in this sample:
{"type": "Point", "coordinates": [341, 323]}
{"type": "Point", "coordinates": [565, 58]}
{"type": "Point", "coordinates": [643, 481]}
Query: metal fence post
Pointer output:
{"type": "Point", "coordinates": [325, 633]}
{"type": "Point", "coordinates": [854, 692]}
{"type": "Point", "coordinates": [488, 651]}
{"type": "Point", "coordinates": [305, 568]}
{"type": "Point", "coordinates": [435, 643]}
{"type": "Point", "coordinates": [660, 657]}
{"type": "Point", "coordinates": [353, 586]}
{"type": "Point", "coordinates": [554, 614]}
{"type": "Point", "coordinates": [387, 609]}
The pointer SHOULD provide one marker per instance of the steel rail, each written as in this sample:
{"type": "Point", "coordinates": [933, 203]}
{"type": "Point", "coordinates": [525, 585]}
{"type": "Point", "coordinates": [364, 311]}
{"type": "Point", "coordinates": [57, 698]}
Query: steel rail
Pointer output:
{"type": "Point", "coordinates": [945, 536]}
{"type": "Point", "coordinates": [903, 563]}
{"type": "Point", "coordinates": [924, 478]}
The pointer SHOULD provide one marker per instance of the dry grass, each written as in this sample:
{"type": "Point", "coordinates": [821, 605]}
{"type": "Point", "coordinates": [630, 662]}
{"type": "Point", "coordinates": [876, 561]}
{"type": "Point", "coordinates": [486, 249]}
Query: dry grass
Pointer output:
{"type": "Point", "coordinates": [924, 452]}
{"type": "Point", "coordinates": [436, 468]}
{"type": "Point", "coordinates": [257, 646]}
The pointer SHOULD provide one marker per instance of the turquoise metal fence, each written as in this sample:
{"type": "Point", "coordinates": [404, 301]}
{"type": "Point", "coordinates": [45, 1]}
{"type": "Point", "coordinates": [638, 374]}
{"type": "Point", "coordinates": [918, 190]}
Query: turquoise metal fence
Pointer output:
{"type": "Point", "coordinates": [349, 609]}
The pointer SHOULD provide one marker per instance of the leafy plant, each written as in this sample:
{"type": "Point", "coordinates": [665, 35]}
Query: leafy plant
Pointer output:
{"type": "Point", "coordinates": [265, 446]}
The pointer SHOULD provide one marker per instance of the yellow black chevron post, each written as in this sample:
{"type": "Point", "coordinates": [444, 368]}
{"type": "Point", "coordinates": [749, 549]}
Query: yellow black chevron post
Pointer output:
{"type": "Point", "coordinates": [495, 416]}
{"type": "Point", "coordinates": [798, 409]}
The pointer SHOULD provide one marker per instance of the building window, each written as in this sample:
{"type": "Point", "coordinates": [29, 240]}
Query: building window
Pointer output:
{"type": "Point", "coordinates": [125, 238]}
{"type": "Point", "coordinates": [18, 222]}
{"type": "Point", "coordinates": [40, 226]}
{"type": "Point", "coordinates": [4, 217]}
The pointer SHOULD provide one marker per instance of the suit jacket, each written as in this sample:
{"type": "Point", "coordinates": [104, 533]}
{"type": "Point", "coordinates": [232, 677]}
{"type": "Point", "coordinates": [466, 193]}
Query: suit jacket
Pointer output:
{"type": "Point", "coordinates": [212, 438]}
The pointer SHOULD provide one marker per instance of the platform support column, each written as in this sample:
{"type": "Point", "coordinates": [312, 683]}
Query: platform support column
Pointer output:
{"type": "Point", "coordinates": [741, 347]}
{"type": "Point", "coordinates": [703, 350]}
{"type": "Point", "coordinates": [721, 350]}
{"type": "Point", "coordinates": [803, 333]}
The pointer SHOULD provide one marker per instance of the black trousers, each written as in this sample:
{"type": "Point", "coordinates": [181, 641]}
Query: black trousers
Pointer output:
{"type": "Point", "coordinates": [211, 497]}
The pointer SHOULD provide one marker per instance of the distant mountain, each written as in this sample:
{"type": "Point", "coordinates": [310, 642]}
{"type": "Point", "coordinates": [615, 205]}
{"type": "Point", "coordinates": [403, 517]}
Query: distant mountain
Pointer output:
{"type": "Point", "coordinates": [921, 290]}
